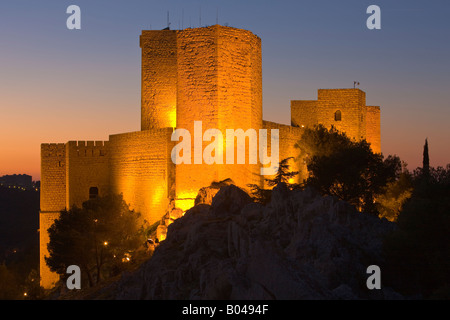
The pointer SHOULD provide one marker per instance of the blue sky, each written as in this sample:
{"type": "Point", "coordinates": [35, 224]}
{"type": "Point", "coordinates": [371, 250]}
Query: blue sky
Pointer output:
{"type": "Point", "coordinates": [58, 84]}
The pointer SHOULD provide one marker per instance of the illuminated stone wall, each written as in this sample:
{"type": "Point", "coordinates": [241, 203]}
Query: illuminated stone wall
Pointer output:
{"type": "Point", "coordinates": [288, 137]}
{"type": "Point", "coordinates": [52, 201]}
{"type": "Point", "coordinates": [373, 130]}
{"type": "Point", "coordinates": [220, 84]}
{"type": "Point", "coordinates": [158, 79]}
{"type": "Point", "coordinates": [356, 119]}
{"type": "Point", "coordinates": [87, 166]}
{"type": "Point", "coordinates": [141, 169]}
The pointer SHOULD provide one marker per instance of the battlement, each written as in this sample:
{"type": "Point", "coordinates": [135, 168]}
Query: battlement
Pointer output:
{"type": "Point", "coordinates": [81, 144]}
{"type": "Point", "coordinates": [326, 94]}
{"type": "Point", "coordinates": [373, 108]}
{"type": "Point", "coordinates": [53, 149]}
{"type": "Point", "coordinates": [87, 148]}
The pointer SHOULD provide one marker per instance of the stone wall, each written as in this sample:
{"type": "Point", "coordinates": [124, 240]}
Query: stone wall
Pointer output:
{"type": "Point", "coordinates": [87, 164]}
{"type": "Point", "coordinates": [53, 200]}
{"type": "Point", "coordinates": [304, 113]}
{"type": "Point", "coordinates": [159, 79]}
{"type": "Point", "coordinates": [142, 170]}
{"type": "Point", "coordinates": [356, 119]}
{"type": "Point", "coordinates": [373, 130]}
{"type": "Point", "coordinates": [288, 137]}
{"type": "Point", "coordinates": [351, 103]}
{"type": "Point", "coordinates": [53, 177]}
{"type": "Point", "coordinates": [220, 84]}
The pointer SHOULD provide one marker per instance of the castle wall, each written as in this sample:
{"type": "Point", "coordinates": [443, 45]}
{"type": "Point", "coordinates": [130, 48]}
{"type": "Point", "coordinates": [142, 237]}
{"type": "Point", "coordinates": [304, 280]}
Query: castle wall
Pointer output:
{"type": "Point", "coordinates": [53, 180]}
{"type": "Point", "coordinates": [142, 170]}
{"type": "Point", "coordinates": [288, 138]}
{"type": "Point", "coordinates": [159, 79]}
{"type": "Point", "coordinates": [373, 130]}
{"type": "Point", "coordinates": [52, 201]}
{"type": "Point", "coordinates": [220, 84]}
{"type": "Point", "coordinates": [240, 96]}
{"type": "Point", "coordinates": [358, 121]}
{"type": "Point", "coordinates": [351, 103]}
{"type": "Point", "coordinates": [87, 164]}
{"type": "Point", "coordinates": [304, 113]}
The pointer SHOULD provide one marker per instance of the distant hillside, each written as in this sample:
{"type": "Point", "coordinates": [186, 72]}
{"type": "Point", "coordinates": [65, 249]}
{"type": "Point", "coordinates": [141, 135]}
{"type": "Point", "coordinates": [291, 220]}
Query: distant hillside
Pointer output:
{"type": "Point", "coordinates": [19, 223]}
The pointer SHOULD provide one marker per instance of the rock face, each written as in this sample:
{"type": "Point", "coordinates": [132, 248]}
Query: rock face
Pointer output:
{"type": "Point", "coordinates": [299, 246]}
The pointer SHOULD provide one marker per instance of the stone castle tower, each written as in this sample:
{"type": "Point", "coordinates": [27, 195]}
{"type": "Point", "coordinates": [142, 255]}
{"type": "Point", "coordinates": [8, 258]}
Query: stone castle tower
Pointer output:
{"type": "Point", "coordinates": [211, 74]}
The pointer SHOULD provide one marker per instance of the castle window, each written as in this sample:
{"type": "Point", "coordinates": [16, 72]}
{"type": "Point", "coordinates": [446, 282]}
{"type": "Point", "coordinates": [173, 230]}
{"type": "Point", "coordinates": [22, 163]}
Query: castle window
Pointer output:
{"type": "Point", "coordinates": [338, 115]}
{"type": "Point", "coordinates": [93, 193]}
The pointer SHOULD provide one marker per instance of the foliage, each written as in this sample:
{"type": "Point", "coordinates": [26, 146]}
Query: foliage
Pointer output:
{"type": "Point", "coordinates": [346, 168]}
{"type": "Point", "coordinates": [96, 237]}
{"type": "Point", "coordinates": [426, 159]}
{"type": "Point", "coordinates": [390, 203]}
{"type": "Point", "coordinates": [418, 252]}
{"type": "Point", "coordinates": [9, 289]}
{"type": "Point", "coordinates": [283, 175]}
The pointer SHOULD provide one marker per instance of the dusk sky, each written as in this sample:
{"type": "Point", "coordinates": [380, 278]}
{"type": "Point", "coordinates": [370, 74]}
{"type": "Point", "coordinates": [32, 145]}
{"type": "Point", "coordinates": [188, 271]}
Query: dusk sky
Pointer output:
{"type": "Point", "coordinates": [58, 84]}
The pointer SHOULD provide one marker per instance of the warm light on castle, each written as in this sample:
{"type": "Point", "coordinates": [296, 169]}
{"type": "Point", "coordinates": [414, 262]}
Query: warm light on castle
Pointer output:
{"type": "Point", "coordinates": [211, 74]}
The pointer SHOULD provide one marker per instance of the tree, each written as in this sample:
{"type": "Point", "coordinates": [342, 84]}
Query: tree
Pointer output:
{"type": "Point", "coordinates": [283, 175]}
{"type": "Point", "coordinates": [9, 289]}
{"type": "Point", "coordinates": [426, 159]}
{"type": "Point", "coordinates": [391, 201]}
{"type": "Point", "coordinates": [98, 235]}
{"type": "Point", "coordinates": [345, 168]}
{"type": "Point", "coordinates": [417, 253]}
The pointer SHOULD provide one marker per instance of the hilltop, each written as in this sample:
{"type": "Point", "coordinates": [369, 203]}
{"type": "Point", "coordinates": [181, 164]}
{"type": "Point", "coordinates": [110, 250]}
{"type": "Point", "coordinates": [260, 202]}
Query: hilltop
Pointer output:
{"type": "Point", "coordinates": [300, 246]}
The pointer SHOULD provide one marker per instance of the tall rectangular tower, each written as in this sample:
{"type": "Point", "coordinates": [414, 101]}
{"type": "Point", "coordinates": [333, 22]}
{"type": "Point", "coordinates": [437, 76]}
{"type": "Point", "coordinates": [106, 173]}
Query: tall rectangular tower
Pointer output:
{"type": "Point", "coordinates": [220, 84]}
{"type": "Point", "coordinates": [344, 109]}
{"type": "Point", "coordinates": [158, 79]}
{"type": "Point", "coordinates": [213, 75]}
{"type": "Point", "coordinates": [52, 201]}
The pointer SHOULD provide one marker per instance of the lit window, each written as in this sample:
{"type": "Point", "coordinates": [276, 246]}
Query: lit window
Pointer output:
{"type": "Point", "coordinates": [338, 115]}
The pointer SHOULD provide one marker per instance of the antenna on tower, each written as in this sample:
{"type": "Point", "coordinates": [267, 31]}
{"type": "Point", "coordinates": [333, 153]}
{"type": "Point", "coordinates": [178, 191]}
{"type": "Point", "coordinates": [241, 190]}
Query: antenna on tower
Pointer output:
{"type": "Point", "coordinates": [200, 17]}
{"type": "Point", "coordinates": [182, 19]}
{"type": "Point", "coordinates": [168, 21]}
{"type": "Point", "coordinates": [217, 16]}
{"type": "Point", "coordinates": [355, 83]}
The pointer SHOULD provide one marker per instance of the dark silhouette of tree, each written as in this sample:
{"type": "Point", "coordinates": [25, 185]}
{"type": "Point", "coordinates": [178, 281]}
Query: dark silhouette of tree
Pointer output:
{"type": "Point", "coordinates": [426, 160]}
{"type": "Point", "coordinates": [283, 175]}
{"type": "Point", "coordinates": [346, 168]}
{"type": "Point", "coordinates": [261, 195]}
{"type": "Point", "coordinates": [417, 253]}
{"type": "Point", "coordinates": [95, 237]}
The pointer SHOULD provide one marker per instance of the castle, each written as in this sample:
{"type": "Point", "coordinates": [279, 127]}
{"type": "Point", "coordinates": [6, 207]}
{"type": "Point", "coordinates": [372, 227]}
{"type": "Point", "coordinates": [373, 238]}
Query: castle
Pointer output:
{"type": "Point", "coordinates": [212, 74]}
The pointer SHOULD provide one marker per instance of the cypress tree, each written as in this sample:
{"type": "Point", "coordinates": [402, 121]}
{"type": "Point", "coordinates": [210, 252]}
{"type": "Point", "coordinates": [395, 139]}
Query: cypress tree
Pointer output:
{"type": "Point", "coordinates": [426, 159]}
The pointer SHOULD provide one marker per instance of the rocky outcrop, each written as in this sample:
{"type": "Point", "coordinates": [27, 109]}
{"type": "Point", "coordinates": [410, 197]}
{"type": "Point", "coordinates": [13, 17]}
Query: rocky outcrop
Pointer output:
{"type": "Point", "coordinates": [299, 246]}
